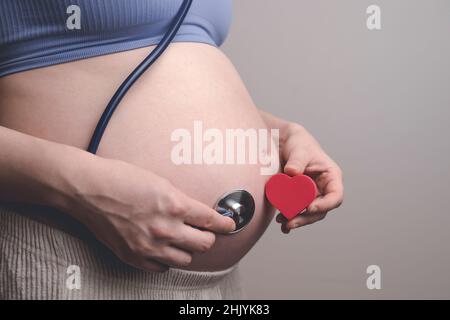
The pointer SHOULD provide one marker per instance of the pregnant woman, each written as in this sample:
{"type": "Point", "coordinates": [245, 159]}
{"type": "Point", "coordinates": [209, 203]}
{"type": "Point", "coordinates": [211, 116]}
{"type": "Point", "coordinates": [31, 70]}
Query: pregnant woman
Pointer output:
{"type": "Point", "coordinates": [128, 222]}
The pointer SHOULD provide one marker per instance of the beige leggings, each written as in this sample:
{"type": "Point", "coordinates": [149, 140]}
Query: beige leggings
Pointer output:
{"type": "Point", "coordinates": [41, 262]}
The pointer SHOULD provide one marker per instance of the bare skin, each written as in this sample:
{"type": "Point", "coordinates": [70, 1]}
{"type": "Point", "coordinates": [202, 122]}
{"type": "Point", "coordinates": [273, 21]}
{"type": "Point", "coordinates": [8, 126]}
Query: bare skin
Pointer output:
{"type": "Point", "coordinates": [131, 196]}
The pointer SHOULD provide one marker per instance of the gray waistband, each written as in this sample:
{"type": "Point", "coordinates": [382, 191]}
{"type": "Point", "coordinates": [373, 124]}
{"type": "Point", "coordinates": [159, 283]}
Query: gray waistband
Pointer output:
{"type": "Point", "coordinates": [39, 256]}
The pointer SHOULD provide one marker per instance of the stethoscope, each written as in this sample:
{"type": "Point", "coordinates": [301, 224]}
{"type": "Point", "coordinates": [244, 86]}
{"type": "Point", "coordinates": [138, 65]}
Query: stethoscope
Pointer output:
{"type": "Point", "coordinates": [237, 204]}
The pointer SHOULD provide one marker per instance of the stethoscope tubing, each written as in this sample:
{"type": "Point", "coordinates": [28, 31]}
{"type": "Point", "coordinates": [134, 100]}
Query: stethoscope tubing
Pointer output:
{"type": "Point", "coordinates": [136, 74]}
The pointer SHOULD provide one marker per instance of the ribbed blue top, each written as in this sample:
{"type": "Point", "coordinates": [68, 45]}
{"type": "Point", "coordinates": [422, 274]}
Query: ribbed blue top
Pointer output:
{"type": "Point", "coordinates": [34, 33]}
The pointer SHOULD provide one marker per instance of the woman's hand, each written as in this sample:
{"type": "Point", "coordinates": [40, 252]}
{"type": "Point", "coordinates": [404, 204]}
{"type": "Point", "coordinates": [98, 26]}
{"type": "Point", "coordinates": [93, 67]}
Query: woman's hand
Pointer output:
{"type": "Point", "coordinates": [141, 217]}
{"type": "Point", "coordinates": [302, 154]}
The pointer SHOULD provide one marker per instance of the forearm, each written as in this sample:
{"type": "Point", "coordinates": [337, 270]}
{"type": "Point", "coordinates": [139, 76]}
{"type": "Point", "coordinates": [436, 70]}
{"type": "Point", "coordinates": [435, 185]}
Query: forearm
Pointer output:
{"type": "Point", "coordinates": [34, 170]}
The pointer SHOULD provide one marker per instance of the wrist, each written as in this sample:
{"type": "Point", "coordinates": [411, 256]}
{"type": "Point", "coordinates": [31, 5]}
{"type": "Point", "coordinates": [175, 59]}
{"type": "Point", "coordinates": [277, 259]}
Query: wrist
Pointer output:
{"type": "Point", "coordinates": [68, 176]}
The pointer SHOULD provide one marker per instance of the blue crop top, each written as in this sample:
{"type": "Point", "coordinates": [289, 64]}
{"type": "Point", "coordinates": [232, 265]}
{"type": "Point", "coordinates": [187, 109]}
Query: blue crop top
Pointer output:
{"type": "Point", "coordinates": [39, 33]}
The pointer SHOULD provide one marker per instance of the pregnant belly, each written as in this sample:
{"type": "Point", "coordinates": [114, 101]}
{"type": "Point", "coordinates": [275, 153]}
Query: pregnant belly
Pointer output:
{"type": "Point", "coordinates": [168, 122]}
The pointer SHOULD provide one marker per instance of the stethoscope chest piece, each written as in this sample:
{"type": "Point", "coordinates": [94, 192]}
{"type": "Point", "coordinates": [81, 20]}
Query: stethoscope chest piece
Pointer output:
{"type": "Point", "coordinates": [238, 205]}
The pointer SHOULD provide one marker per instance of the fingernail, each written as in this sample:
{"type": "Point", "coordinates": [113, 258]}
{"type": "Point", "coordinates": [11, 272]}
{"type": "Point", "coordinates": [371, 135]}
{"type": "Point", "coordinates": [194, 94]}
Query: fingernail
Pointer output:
{"type": "Point", "coordinates": [232, 224]}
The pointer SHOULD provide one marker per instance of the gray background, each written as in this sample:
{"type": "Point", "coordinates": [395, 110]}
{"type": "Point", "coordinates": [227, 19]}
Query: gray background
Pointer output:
{"type": "Point", "coordinates": [378, 101]}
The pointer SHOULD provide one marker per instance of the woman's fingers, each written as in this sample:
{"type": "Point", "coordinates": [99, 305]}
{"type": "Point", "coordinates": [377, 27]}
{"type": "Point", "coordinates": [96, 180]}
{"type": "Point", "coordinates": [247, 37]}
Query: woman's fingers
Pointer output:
{"type": "Point", "coordinates": [332, 190]}
{"type": "Point", "coordinates": [202, 216]}
{"type": "Point", "coordinates": [301, 220]}
{"type": "Point", "coordinates": [173, 257]}
{"type": "Point", "coordinates": [280, 218]}
{"type": "Point", "coordinates": [305, 219]}
{"type": "Point", "coordinates": [193, 240]}
{"type": "Point", "coordinates": [296, 163]}
{"type": "Point", "coordinates": [325, 203]}
{"type": "Point", "coordinates": [177, 252]}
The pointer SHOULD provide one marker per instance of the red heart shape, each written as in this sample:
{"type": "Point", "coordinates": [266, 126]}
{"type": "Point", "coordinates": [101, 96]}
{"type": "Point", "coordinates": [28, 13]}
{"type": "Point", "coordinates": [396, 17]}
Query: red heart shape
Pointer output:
{"type": "Point", "coordinates": [290, 195]}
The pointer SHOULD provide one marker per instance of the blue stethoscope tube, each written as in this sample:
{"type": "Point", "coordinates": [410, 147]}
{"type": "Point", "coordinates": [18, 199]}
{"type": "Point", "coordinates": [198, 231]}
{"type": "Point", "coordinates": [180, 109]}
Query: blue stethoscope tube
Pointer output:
{"type": "Point", "coordinates": [134, 76]}
{"type": "Point", "coordinates": [238, 204]}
